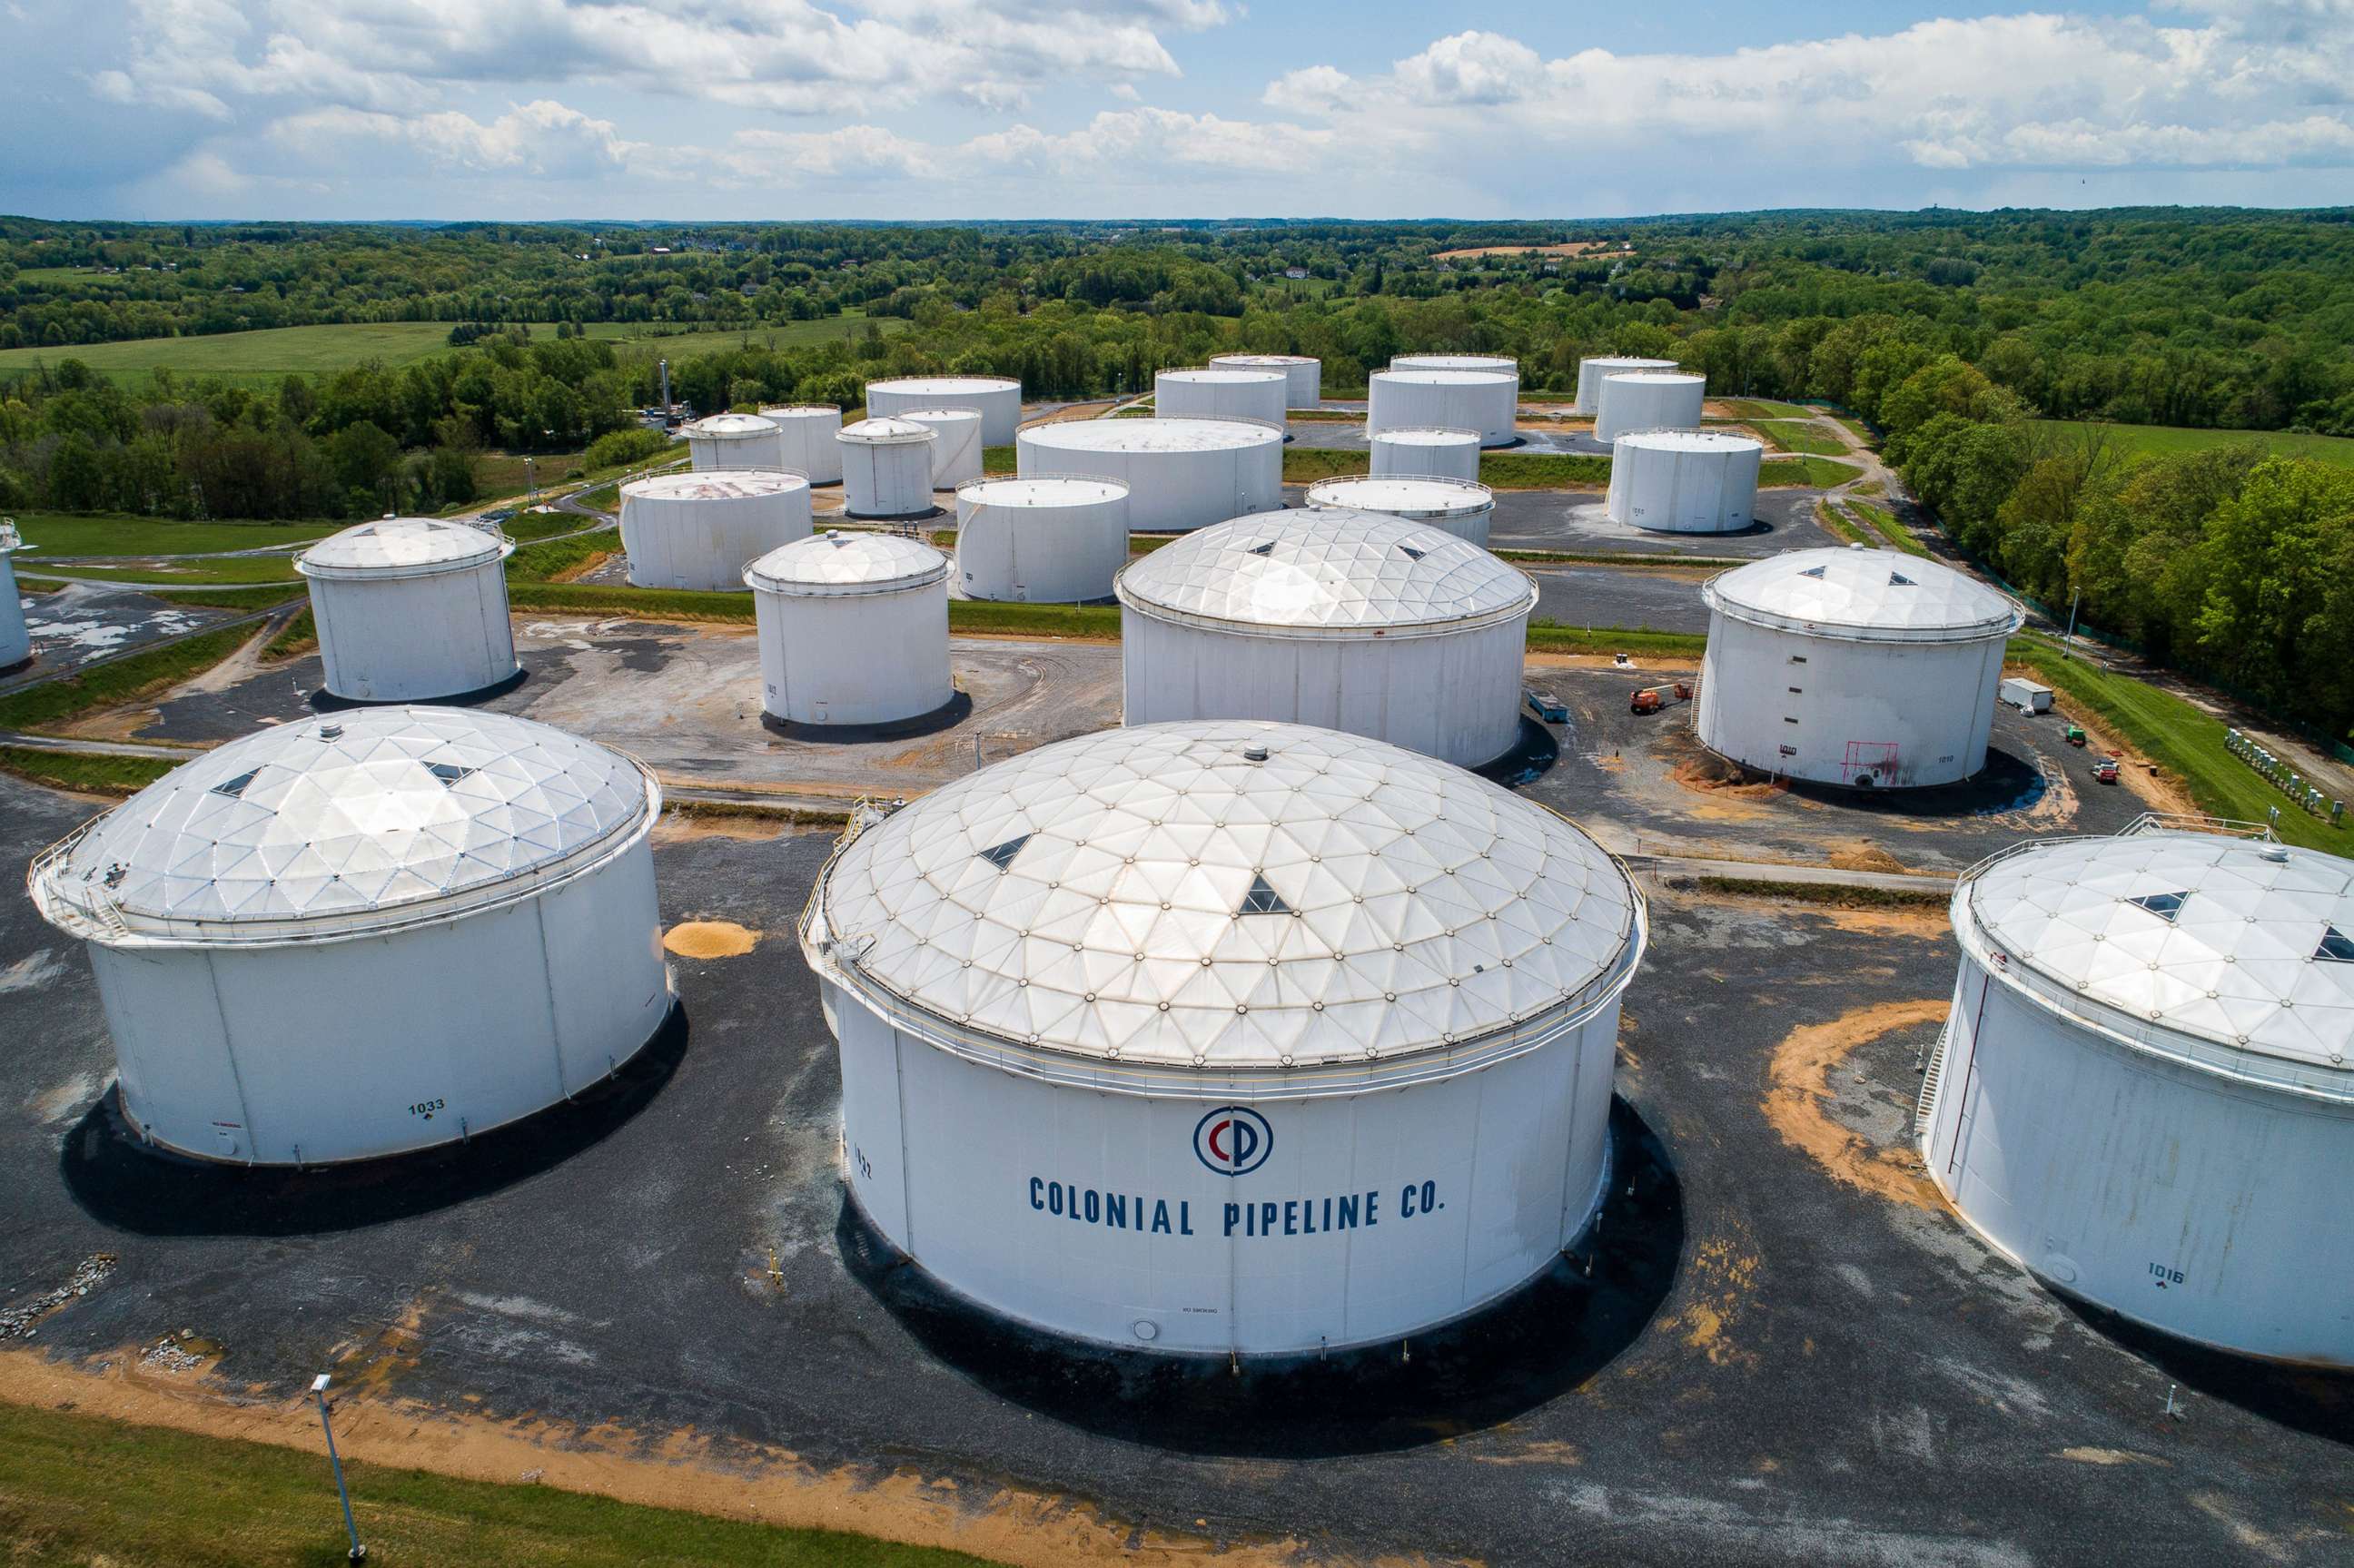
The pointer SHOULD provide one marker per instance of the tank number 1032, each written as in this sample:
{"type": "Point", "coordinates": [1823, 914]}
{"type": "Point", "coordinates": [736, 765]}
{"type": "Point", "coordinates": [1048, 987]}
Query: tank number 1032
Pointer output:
{"type": "Point", "coordinates": [427, 1107]}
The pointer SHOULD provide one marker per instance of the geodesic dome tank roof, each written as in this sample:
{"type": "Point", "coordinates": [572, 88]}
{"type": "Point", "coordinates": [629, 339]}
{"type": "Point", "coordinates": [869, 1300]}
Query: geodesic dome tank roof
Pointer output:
{"type": "Point", "coordinates": [346, 824]}
{"type": "Point", "coordinates": [1326, 572]}
{"type": "Point", "coordinates": [2219, 951]}
{"type": "Point", "coordinates": [1228, 894]}
{"type": "Point", "coordinates": [1863, 595]}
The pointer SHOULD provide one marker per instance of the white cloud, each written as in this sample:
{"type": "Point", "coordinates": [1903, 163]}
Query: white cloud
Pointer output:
{"type": "Point", "coordinates": [1471, 68]}
{"type": "Point", "coordinates": [541, 140]}
{"type": "Point", "coordinates": [663, 107]}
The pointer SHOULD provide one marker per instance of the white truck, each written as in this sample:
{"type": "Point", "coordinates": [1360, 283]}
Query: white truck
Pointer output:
{"type": "Point", "coordinates": [2026, 695]}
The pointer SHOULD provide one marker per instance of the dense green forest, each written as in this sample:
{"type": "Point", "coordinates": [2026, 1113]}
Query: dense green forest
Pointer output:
{"type": "Point", "coordinates": [1950, 331]}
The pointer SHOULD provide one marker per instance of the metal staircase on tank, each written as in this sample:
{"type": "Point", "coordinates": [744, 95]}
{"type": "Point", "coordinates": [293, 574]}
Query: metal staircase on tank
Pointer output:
{"type": "Point", "coordinates": [1926, 1111]}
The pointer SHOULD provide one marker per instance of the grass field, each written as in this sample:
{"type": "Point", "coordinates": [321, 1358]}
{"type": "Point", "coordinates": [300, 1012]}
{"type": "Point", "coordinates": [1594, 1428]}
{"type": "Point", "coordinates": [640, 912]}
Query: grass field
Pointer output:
{"type": "Point", "coordinates": [1551, 637]}
{"type": "Point", "coordinates": [90, 774]}
{"type": "Point", "coordinates": [203, 569]}
{"type": "Point", "coordinates": [1810, 473]}
{"type": "Point", "coordinates": [1544, 471]}
{"type": "Point", "coordinates": [103, 534]}
{"type": "Point", "coordinates": [2177, 735]}
{"type": "Point", "coordinates": [2335, 450]}
{"type": "Point", "coordinates": [1765, 409]}
{"type": "Point", "coordinates": [80, 1489]}
{"type": "Point", "coordinates": [1885, 523]}
{"type": "Point", "coordinates": [53, 701]}
{"type": "Point", "coordinates": [262, 358]}
{"type": "Point", "coordinates": [1800, 436]}
{"type": "Point", "coordinates": [1836, 525]}
{"type": "Point", "coordinates": [248, 358]}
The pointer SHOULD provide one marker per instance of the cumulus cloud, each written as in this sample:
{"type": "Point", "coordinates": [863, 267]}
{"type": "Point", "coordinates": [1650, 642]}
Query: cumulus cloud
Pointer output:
{"type": "Point", "coordinates": [541, 140]}
{"type": "Point", "coordinates": [627, 106]}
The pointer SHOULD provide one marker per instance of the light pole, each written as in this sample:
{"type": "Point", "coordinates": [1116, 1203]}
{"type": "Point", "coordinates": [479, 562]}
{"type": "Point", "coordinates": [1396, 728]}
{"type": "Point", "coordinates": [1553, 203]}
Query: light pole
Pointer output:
{"type": "Point", "coordinates": [2068, 647]}
{"type": "Point", "coordinates": [531, 481]}
{"type": "Point", "coordinates": [319, 1390]}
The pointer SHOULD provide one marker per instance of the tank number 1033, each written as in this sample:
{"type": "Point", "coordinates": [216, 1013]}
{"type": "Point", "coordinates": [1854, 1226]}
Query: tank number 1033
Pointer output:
{"type": "Point", "coordinates": [427, 1107]}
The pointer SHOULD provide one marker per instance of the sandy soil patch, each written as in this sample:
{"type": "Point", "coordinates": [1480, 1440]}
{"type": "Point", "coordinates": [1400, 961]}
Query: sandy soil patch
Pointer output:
{"type": "Point", "coordinates": [1798, 1084]}
{"type": "Point", "coordinates": [710, 939]}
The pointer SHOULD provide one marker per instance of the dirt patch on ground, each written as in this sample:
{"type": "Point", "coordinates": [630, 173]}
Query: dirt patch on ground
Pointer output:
{"type": "Point", "coordinates": [1706, 773]}
{"type": "Point", "coordinates": [1863, 855]}
{"type": "Point", "coordinates": [710, 939]}
{"type": "Point", "coordinates": [1723, 1275]}
{"type": "Point", "coordinates": [1917, 922]}
{"type": "Point", "coordinates": [1661, 668]}
{"type": "Point", "coordinates": [681, 1469]}
{"type": "Point", "coordinates": [754, 826]}
{"type": "Point", "coordinates": [1798, 1082]}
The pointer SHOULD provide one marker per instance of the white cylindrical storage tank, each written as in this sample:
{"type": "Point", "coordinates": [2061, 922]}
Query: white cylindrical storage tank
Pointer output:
{"type": "Point", "coordinates": [16, 638]}
{"type": "Point", "coordinates": [1463, 507]}
{"type": "Point", "coordinates": [1855, 666]}
{"type": "Point", "coordinates": [1221, 392]}
{"type": "Point", "coordinates": [1633, 400]}
{"type": "Point", "coordinates": [956, 455]}
{"type": "Point", "coordinates": [409, 609]}
{"type": "Point", "coordinates": [1685, 482]}
{"type": "Point", "coordinates": [886, 467]}
{"type": "Point", "coordinates": [854, 629]}
{"type": "Point", "coordinates": [1226, 1039]}
{"type": "Point", "coordinates": [1591, 371]}
{"type": "Point", "coordinates": [805, 433]}
{"type": "Point", "coordinates": [1423, 451]}
{"type": "Point", "coordinates": [2144, 1095]}
{"type": "Point", "coordinates": [1346, 620]}
{"type": "Point", "coordinates": [700, 530]}
{"type": "Point", "coordinates": [1051, 541]}
{"type": "Point", "coordinates": [1180, 473]}
{"type": "Point", "coordinates": [1303, 375]}
{"type": "Point", "coordinates": [734, 440]}
{"type": "Point", "coordinates": [997, 398]}
{"type": "Point", "coordinates": [1492, 363]}
{"type": "Point", "coordinates": [369, 933]}
{"type": "Point", "coordinates": [1411, 398]}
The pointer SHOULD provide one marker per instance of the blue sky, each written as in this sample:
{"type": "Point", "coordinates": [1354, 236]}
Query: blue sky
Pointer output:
{"type": "Point", "coordinates": [959, 108]}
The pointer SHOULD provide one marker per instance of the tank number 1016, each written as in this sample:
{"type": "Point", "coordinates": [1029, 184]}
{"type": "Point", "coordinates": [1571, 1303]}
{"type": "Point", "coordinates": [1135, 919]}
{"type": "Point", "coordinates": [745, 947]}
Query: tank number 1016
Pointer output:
{"type": "Point", "coordinates": [2163, 1275]}
{"type": "Point", "coordinates": [427, 1107]}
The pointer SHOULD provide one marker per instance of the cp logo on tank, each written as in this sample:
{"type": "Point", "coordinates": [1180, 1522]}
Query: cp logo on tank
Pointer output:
{"type": "Point", "coordinates": [1232, 1140]}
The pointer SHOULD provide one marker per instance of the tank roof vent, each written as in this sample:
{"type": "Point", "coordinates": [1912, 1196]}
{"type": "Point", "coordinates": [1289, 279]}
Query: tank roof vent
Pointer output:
{"type": "Point", "coordinates": [1265, 549]}
{"type": "Point", "coordinates": [2335, 948]}
{"type": "Point", "coordinates": [235, 787]}
{"type": "Point", "coordinates": [2164, 905]}
{"type": "Point", "coordinates": [1410, 553]}
{"type": "Point", "coordinates": [447, 772]}
{"type": "Point", "coordinates": [1812, 572]}
{"type": "Point", "coordinates": [1262, 899]}
{"type": "Point", "coordinates": [1002, 855]}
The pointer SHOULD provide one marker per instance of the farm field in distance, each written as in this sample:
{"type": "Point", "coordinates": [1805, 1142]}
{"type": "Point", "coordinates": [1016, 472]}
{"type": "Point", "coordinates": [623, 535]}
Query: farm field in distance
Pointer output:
{"type": "Point", "coordinates": [262, 358]}
{"type": "Point", "coordinates": [2168, 439]}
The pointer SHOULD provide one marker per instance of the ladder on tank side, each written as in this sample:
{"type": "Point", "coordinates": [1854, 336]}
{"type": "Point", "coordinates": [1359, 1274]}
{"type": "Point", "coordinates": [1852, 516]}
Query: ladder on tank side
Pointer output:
{"type": "Point", "coordinates": [1926, 1111]}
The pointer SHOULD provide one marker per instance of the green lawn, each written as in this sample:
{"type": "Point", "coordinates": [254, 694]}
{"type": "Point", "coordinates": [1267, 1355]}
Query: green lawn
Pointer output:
{"type": "Point", "coordinates": [106, 533]}
{"type": "Point", "coordinates": [2177, 735]}
{"type": "Point", "coordinates": [93, 774]}
{"type": "Point", "coordinates": [80, 1489]}
{"type": "Point", "coordinates": [1549, 637]}
{"type": "Point", "coordinates": [1885, 523]}
{"type": "Point", "coordinates": [1306, 465]}
{"type": "Point", "coordinates": [1809, 472]}
{"type": "Point", "coordinates": [251, 359]}
{"type": "Point", "coordinates": [1836, 525]}
{"type": "Point", "coordinates": [2335, 450]}
{"type": "Point", "coordinates": [262, 358]}
{"type": "Point", "coordinates": [1767, 409]}
{"type": "Point", "coordinates": [1800, 436]}
{"type": "Point", "coordinates": [204, 569]}
{"type": "Point", "coordinates": [1544, 471]}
